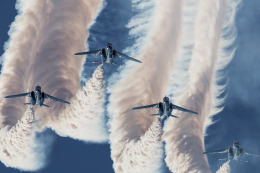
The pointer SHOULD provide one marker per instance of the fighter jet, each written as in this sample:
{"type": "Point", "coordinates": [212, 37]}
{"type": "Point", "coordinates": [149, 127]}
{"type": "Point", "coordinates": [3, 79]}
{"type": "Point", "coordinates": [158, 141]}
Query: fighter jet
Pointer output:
{"type": "Point", "coordinates": [108, 55]}
{"type": "Point", "coordinates": [37, 97]}
{"type": "Point", "coordinates": [165, 108]}
{"type": "Point", "coordinates": [235, 152]}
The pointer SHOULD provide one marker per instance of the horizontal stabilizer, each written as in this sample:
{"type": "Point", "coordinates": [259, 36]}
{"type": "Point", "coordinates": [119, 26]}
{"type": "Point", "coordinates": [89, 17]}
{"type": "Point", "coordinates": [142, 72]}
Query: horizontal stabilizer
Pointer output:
{"type": "Point", "coordinates": [155, 114]}
{"type": "Point", "coordinates": [46, 105]}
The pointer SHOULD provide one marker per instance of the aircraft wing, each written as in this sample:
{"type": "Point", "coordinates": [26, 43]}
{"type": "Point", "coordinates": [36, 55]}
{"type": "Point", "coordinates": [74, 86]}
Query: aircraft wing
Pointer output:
{"type": "Point", "coordinates": [121, 55]}
{"type": "Point", "coordinates": [183, 109]}
{"type": "Point", "coordinates": [216, 151]}
{"type": "Point", "coordinates": [88, 53]}
{"type": "Point", "coordinates": [145, 107]}
{"type": "Point", "coordinates": [251, 153]}
{"type": "Point", "coordinates": [18, 95]}
{"type": "Point", "coordinates": [55, 99]}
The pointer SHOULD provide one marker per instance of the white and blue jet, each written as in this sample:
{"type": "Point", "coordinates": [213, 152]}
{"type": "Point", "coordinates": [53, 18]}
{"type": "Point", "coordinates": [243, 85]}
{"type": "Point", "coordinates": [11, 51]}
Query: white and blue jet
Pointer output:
{"type": "Point", "coordinates": [235, 152]}
{"type": "Point", "coordinates": [37, 97]}
{"type": "Point", "coordinates": [108, 55]}
{"type": "Point", "coordinates": [165, 108]}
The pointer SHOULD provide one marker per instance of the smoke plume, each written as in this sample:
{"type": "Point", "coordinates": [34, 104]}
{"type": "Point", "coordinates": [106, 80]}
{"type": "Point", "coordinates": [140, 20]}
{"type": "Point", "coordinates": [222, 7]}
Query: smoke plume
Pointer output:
{"type": "Point", "coordinates": [144, 84]}
{"type": "Point", "coordinates": [43, 39]}
{"type": "Point", "coordinates": [17, 147]}
{"type": "Point", "coordinates": [184, 138]}
{"type": "Point", "coordinates": [143, 155]}
{"type": "Point", "coordinates": [84, 118]}
{"type": "Point", "coordinates": [225, 168]}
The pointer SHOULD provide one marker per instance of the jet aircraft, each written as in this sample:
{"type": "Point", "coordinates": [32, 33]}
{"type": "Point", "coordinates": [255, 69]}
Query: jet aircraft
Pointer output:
{"type": "Point", "coordinates": [108, 55]}
{"type": "Point", "coordinates": [37, 97]}
{"type": "Point", "coordinates": [235, 152]}
{"type": "Point", "coordinates": [165, 108]}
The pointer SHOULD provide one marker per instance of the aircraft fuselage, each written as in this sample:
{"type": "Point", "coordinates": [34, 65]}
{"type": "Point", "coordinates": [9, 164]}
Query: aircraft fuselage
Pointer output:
{"type": "Point", "coordinates": [110, 54]}
{"type": "Point", "coordinates": [235, 152]}
{"type": "Point", "coordinates": [37, 96]}
{"type": "Point", "coordinates": [165, 108]}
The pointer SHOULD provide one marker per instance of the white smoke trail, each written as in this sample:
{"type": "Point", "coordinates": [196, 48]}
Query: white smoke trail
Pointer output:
{"type": "Point", "coordinates": [147, 148]}
{"type": "Point", "coordinates": [43, 39]}
{"type": "Point", "coordinates": [17, 144]}
{"type": "Point", "coordinates": [84, 118]}
{"type": "Point", "coordinates": [225, 168]}
{"type": "Point", "coordinates": [140, 25]}
{"type": "Point", "coordinates": [184, 138]}
{"type": "Point", "coordinates": [180, 76]}
{"type": "Point", "coordinates": [144, 84]}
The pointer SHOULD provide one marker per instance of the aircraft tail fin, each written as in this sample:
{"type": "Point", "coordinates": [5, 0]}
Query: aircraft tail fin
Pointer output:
{"type": "Point", "coordinates": [174, 116]}
{"type": "Point", "coordinates": [46, 105]}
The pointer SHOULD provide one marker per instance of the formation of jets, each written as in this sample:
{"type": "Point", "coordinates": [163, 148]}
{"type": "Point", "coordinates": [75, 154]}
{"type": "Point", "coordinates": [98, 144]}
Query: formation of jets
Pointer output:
{"type": "Point", "coordinates": [165, 108]}
{"type": "Point", "coordinates": [235, 152]}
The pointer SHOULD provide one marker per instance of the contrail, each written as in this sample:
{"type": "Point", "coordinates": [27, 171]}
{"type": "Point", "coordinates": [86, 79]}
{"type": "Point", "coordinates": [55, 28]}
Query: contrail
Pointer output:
{"type": "Point", "coordinates": [144, 84]}
{"type": "Point", "coordinates": [17, 147]}
{"type": "Point", "coordinates": [184, 138]}
{"type": "Point", "coordinates": [84, 118]}
{"type": "Point", "coordinates": [43, 39]}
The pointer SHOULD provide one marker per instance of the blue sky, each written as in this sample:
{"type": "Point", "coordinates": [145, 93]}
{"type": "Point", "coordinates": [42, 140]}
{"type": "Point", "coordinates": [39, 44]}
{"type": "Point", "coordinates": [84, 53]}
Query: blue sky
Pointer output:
{"type": "Point", "coordinates": [239, 120]}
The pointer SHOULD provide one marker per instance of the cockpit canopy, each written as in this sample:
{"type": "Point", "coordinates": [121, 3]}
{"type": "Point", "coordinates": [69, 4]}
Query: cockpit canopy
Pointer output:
{"type": "Point", "coordinates": [166, 99]}
{"type": "Point", "coordinates": [236, 144]}
{"type": "Point", "coordinates": [37, 88]}
{"type": "Point", "coordinates": [109, 45]}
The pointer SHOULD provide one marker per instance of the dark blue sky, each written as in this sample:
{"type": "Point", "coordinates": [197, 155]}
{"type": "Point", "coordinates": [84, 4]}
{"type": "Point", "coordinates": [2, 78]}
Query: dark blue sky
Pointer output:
{"type": "Point", "coordinates": [239, 120]}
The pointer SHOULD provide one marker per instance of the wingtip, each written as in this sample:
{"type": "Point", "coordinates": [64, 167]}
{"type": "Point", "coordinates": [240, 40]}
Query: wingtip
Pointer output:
{"type": "Point", "coordinates": [80, 53]}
